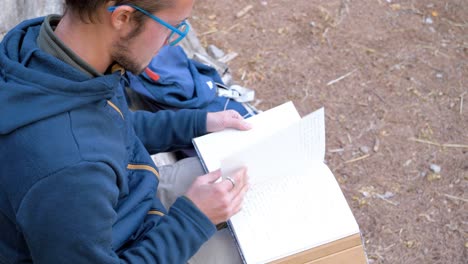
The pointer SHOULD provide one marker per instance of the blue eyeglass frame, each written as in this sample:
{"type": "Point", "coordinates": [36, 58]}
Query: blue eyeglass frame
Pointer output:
{"type": "Point", "coordinates": [175, 30]}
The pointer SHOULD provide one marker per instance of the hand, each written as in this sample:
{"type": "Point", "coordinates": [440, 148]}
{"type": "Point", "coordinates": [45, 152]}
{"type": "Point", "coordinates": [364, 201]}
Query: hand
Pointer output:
{"type": "Point", "coordinates": [219, 200]}
{"type": "Point", "coordinates": [218, 121]}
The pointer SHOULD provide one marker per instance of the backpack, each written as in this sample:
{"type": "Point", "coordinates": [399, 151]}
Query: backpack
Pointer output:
{"type": "Point", "coordinates": [173, 81]}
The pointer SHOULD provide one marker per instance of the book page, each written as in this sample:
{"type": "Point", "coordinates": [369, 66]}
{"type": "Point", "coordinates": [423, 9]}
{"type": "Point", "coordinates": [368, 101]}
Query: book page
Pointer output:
{"type": "Point", "coordinates": [313, 135]}
{"type": "Point", "coordinates": [284, 217]}
{"type": "Point", "coordinates": [294, 202]}
{"type": "Point", "coordinates": [216, 146]}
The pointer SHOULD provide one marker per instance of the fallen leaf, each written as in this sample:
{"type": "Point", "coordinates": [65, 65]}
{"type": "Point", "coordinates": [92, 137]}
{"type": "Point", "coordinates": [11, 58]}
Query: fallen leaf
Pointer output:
{"type": "Point", "coordinates": [361, 201]}
{"type": "Point", "coordinates": [410, 243]}
{"type": "Point", "coordinates": [433, 177]}
{"type": "Point", "coordinates": [395, 7]}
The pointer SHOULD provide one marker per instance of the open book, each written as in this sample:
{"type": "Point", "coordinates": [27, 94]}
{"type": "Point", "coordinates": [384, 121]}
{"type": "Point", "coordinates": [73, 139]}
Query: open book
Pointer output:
{"type": "Point", "coordinates": [294, 211]}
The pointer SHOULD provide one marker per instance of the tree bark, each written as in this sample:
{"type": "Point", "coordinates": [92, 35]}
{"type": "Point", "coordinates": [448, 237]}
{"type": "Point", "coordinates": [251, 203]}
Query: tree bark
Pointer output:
{"type": "Point", "coordinates": [13, 12]}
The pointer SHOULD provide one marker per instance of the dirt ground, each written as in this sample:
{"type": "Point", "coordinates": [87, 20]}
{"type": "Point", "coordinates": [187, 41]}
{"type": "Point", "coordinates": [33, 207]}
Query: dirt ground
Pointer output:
{"type": "Point", "coordinates": [392, 76]}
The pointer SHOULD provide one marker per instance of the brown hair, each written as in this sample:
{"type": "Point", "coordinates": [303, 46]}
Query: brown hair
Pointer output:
{"type": "Point", "coordinates": [86, 9]}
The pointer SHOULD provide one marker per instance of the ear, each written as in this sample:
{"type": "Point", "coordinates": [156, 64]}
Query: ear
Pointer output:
{"type": "Point", "coordinates": [121, 16]}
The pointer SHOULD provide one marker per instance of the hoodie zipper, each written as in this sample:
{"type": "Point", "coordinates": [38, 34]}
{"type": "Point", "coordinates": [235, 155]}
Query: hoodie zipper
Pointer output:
{"type": "Point", "coordinates": [152, 170]}
{"type": "Point", "coordinates": [143, 167]}
{"type": "Point", "coordinates": [115, 108]}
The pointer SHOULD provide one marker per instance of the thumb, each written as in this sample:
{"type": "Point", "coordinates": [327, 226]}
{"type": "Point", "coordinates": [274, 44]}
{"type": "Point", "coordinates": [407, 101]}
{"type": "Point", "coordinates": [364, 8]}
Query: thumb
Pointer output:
{"type": "Point", "coordinates": [235, 120]}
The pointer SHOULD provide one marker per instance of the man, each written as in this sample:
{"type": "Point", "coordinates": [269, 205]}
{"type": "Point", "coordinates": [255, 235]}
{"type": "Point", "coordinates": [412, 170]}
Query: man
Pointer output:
{"type": "Point", "coordinates": [77, 184]}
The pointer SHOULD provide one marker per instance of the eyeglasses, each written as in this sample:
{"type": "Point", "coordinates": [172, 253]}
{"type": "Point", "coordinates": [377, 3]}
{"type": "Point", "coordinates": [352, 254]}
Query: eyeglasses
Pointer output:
{"type": "Point", "coordinates": [178, 33]}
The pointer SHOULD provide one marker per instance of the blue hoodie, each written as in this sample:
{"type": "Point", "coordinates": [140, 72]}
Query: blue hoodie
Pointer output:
{"type": "Point", "coordinates": [77, 183]}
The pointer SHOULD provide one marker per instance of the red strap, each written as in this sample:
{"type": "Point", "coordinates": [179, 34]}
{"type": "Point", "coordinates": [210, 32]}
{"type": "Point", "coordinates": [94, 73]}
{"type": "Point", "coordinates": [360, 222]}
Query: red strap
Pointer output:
{"type": "Point", "coordinates": [153, 76]}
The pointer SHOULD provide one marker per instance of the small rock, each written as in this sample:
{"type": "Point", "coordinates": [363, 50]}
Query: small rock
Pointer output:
{"type": "Point", "coordinates": [407, 163]}
{"type": "Point", "coordinates": [215, 52]}
{"type": "Point", "coordinates": [435, 168]}
{"type": "Point", "coordinates": [312, 24]}
{"type": "Point", "coordinates": [439, 75]}
{"type": "Point", "coordinates": [428, 20]}
{"type": "Point", "coordinates": [364, 149]}
{"type": "Point", "coordinates": [452, 226]}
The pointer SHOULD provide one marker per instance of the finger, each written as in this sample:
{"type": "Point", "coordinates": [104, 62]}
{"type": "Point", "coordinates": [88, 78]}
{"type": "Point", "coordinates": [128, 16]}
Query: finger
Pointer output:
{"type": "Point", "coordinates": [240, 177]}
{"type": "Point", "coordinates": [239, 199]}
{"type": "Point", "coordinates": [235, 120]}
{"type": "Point", "coordinates": [244, 125]}
{"type": "Point", "coordinates": [211, 177]}
{"type": "Point", "coordinates": [226, 185]}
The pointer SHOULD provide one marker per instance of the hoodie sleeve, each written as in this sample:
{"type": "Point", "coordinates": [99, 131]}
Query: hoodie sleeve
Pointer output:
{"type": "Point", "coordinates": [68, 218]}
{"type": "Point", "coordinates": [168, 130]}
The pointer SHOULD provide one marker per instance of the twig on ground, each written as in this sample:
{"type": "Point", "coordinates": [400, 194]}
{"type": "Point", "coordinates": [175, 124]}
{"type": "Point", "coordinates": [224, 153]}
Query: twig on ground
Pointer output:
{"type": "Point", "coordinates": [436, 53]}
{"type": "Point", "coordinates": [461, 102]}
{"type": "Point", "coordinates": [336, 150]}
{"type": "Point", "coordinates": [342, 11]}
{"type": "Point", "coordinates": [211, 31]}
{"type": "Point", "coordinates": [456, 198]}
{"type": "Point", "coordinates": [388, 201]}
{"type": "Point", "coordinates": [376, 145]}
{"type": "Point", "coordinates": [455, 23]}
{"type": "Point", "coordinates": [244, 11]}
{"type": "Point", "coordinates": [380, 97]}
{"type": "Point", "coordinates": [428, 218]}
{"type": "Point", "coordinates": [341, 78]}
{"type": "Point", "coordinates": [438, 144]}
{"type": "Point", "coordinates": [231, 28]}
{"type": "Point", "coordinates": [357, 159]}
{"type": "Point", "coordinates": [324, 36]}
{"type": "Point", "coordinates": [228, 57]}
{"type": "Point", "coordinates": [306, 91]}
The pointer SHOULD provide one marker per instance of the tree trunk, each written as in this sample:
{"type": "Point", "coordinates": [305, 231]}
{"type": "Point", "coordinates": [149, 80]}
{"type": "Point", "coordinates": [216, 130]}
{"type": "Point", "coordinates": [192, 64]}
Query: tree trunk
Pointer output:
{"type": "Point", "coordinates": [13, 12]}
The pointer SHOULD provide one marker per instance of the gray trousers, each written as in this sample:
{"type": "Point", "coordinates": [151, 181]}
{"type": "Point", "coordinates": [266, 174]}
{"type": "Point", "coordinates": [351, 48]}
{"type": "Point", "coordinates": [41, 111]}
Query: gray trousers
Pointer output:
{"type": "Point", "coordinates": [174, 181]}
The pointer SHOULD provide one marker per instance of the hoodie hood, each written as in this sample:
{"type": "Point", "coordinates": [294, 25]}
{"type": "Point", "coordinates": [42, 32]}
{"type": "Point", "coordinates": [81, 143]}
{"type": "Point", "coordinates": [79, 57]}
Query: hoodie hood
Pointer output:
{"type": "Point", "coordinates": [35, 85]}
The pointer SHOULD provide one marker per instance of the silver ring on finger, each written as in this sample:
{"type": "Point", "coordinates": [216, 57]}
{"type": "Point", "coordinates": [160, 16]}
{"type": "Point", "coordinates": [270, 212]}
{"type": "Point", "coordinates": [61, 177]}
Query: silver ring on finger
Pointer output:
{"type": "Point", "coordinates": [231, 180]}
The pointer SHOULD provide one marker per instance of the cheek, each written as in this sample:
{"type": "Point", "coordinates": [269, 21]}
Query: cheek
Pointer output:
{"type": "Point", "coordinates": [148, 43]}
{"type": "Point", "coordinates": [158, 39]}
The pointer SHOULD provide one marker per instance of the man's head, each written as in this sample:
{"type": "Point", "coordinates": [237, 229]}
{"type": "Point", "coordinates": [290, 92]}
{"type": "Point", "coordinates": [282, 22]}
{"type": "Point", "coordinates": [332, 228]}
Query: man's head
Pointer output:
{"type": "Point", "coordinates": [87, 9]}
{"type": "Point", "coordinates": [133, 37]}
